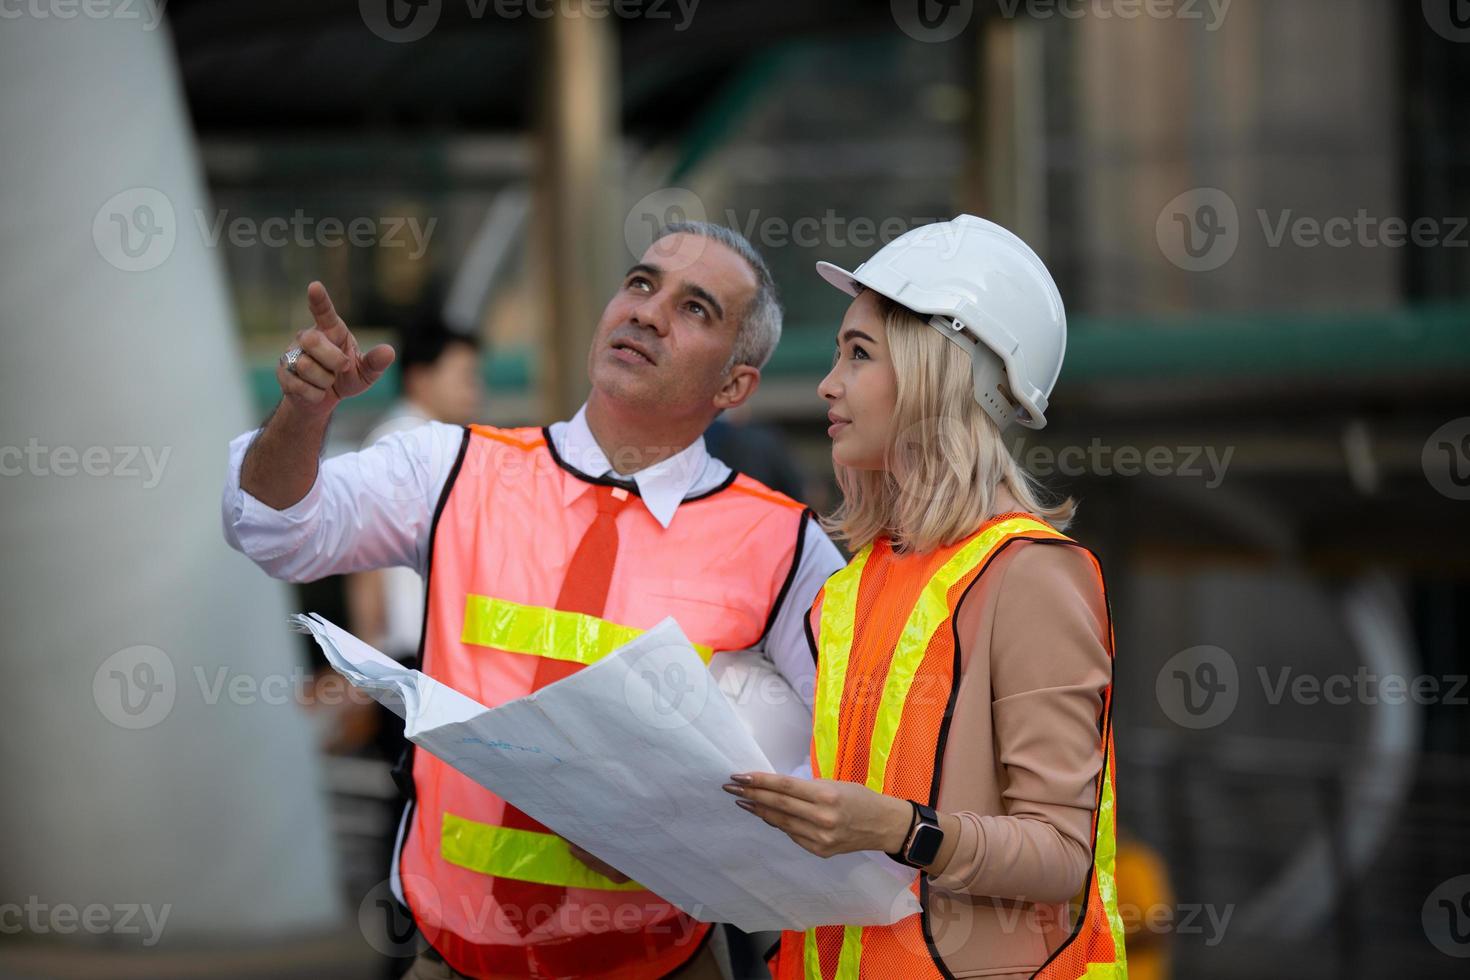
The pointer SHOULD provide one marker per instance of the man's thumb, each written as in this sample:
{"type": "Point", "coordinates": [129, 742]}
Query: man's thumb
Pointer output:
{"type": "Point", "coordinates": [376, 361]}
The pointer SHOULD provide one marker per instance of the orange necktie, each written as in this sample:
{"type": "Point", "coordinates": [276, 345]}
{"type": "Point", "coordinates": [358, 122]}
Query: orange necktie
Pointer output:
{"type": "Point", "coordinates": [583, 590]}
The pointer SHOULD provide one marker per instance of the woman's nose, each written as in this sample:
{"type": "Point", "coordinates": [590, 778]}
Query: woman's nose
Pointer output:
{"type": "Point", "coordinates": [828, 388]}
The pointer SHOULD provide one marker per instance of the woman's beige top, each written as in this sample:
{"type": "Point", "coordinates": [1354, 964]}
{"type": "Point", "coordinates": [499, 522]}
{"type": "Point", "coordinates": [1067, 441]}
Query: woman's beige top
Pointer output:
{"type": "Point", "coordinates": [1022, 759]}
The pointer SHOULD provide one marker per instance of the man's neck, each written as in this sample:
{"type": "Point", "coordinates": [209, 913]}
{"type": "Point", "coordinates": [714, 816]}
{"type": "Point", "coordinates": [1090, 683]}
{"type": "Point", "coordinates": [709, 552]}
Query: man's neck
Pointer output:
{"type": "Point", "coordinates": [634, 441]}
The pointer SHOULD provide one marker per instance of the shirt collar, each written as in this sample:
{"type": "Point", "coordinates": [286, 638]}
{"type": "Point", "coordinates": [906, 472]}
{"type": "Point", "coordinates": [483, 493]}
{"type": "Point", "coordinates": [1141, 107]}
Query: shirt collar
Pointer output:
{"type": "Point", "coordinates": [663, 486]}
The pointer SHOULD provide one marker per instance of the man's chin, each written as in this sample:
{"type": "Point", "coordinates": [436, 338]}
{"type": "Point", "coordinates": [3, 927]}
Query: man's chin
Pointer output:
{"type": "Point", "coordinates": [619, 389]}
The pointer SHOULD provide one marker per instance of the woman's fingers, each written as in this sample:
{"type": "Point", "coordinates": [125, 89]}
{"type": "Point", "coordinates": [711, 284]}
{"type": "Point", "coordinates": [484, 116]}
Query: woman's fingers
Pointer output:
{"type": "Point", "coordinates": [782, 802]}
{"type": "Point", "coordinates": [803, 833]}
{"type": "Point", "coordinates": [812, 790]}
{"type": "Point", "coordinates": [780, 819]}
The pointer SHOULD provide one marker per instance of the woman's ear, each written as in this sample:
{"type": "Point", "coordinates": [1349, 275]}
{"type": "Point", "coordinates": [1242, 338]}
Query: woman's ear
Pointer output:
{"type": "Point", "coordinates": [739, 386]}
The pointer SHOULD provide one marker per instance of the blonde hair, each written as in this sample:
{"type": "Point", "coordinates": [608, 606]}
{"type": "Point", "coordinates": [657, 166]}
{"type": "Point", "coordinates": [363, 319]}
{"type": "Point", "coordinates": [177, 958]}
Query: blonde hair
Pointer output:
{"type": "Point", "coordinates": [946, 458]}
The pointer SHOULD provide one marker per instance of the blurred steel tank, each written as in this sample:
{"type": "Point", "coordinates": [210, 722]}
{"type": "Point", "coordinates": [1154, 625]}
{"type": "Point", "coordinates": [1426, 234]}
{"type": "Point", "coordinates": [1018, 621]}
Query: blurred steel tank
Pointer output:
{"type": "Point", "coordinates": [155, 756]}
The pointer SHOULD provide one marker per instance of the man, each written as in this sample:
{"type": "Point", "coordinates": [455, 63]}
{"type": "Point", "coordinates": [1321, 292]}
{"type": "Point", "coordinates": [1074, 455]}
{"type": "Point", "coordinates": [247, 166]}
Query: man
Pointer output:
{"type": "Point", "coordinates": [541, 548]}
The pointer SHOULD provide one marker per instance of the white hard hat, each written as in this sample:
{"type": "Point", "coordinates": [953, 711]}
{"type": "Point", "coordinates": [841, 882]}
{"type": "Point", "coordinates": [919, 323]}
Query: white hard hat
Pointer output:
{"type": "Point", "coordinates": [984, 289]}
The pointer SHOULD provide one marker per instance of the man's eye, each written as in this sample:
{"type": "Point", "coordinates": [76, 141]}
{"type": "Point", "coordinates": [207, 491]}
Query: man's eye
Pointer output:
{"type": "Point", "coordinates": [699, 309]}
{"type": "Point", "coordinates": [638, 282]}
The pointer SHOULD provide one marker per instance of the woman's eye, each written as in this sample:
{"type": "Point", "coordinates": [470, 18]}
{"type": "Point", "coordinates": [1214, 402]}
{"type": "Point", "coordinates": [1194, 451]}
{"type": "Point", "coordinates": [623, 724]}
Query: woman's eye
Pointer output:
{"type": "Point", "coordinates": [858, 354]}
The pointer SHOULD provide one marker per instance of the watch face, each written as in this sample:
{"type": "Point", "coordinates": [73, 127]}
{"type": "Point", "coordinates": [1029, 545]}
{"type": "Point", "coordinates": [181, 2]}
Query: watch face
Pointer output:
{"type": "Point", "coordinates": [925, 847]}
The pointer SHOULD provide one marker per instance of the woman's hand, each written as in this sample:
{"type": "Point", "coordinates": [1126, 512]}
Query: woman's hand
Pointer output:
{"type": "Point", "coordinates": [825, 816]}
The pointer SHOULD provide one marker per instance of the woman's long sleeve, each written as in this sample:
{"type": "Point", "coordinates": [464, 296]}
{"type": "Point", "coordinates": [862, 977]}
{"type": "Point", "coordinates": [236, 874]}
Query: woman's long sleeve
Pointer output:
{"type": "Point", "coordinates": [1049, 666]}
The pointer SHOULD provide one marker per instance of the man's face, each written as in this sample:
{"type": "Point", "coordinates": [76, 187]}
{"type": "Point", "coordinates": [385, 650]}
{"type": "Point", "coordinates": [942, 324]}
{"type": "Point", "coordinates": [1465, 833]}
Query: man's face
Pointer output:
{"type": "Point", "coordinates": [666, 334]}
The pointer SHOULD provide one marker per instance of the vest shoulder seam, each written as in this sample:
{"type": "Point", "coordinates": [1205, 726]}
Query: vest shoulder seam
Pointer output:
{"type": "Point", "coordinates": [753, 487]}
{"type": "Point", "coordinates": [508, 436]}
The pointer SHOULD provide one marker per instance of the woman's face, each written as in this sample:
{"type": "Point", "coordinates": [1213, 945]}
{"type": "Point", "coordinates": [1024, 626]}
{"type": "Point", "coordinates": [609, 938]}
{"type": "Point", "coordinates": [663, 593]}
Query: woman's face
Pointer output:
{"type": "Point", "coordinates": [861, 389]}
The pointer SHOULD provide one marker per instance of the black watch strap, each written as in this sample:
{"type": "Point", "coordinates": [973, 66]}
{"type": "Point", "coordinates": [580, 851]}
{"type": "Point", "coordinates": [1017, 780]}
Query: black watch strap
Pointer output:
{"type": "Point", "coordinates": [921, 845]}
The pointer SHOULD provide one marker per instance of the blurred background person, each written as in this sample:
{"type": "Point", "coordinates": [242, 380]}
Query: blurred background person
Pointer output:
{"type": "Point", "coordinates": [440, 379]}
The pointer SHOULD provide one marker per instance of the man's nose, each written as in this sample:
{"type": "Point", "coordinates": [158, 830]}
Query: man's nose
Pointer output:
{"type": "Point", "coordinates": [652, 314]}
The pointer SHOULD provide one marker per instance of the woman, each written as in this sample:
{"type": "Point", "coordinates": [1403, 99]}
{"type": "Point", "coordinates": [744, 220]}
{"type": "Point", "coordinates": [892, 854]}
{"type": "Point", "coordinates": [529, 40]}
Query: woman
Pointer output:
{"type": "Point", "coordinates": [962, 719]}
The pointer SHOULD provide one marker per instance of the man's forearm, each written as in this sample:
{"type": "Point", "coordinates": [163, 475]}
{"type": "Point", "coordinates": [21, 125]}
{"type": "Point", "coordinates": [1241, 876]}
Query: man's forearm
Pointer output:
{"type": "Point", "coordinates": [281, 464]}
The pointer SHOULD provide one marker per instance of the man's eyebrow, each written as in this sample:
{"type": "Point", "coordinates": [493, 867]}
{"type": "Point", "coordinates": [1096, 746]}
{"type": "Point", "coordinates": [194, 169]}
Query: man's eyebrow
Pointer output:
{"type": "Point", "coordinates": [694, 289]}
{"type": "Point", "coordinates": [857, 335]}
{"type": "Point", "coordinates": [646, 269]}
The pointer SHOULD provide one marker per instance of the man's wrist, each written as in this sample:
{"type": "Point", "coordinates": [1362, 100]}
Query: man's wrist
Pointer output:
{"type": "Point", "coordinates": [296, 418]}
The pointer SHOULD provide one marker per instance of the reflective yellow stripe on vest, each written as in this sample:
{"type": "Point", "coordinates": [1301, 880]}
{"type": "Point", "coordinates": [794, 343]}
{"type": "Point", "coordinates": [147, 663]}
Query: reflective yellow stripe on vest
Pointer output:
{"type": "Point", "coordinates": [525, 855]}
{"type": "Point", "coordinates": [1105, 867]}
{"type": "Point", "coordinates": [838, 622]}
{"type": "Point", "coordinates": [541, 632]}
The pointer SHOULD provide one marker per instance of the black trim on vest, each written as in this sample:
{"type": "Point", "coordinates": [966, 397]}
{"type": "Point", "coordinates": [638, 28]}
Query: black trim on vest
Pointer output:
{"type": "Point", "coordinates": [628, 485]}
{"type": "Point", "coordinates": [464, 445]}
{"type": "Point", "coordinates": [806, 514]}
{"type": "Point", "coordinates": [722, 486]}
{"type": "Point", "coordinates": [601, 481]}
{"type": "Point", "coordinates": [403, 768]}
{"type": "Point", "coordinates": [1105, 729]}
{"type": "Point", "coordinates": [811, 639]}
{"type": "Point", "coordinates": [944, 738]}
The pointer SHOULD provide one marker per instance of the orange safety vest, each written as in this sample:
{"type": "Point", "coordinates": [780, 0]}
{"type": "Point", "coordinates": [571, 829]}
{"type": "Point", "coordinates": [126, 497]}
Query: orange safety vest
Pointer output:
{"type": "Point", "coordinates": [510, 518]}
{"type": "Point", "coordinates": [885, 630]}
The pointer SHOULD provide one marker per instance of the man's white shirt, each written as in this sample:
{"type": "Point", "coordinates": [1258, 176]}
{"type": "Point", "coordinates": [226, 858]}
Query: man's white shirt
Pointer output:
{"type": "Point", "coordinates": [375, 509]}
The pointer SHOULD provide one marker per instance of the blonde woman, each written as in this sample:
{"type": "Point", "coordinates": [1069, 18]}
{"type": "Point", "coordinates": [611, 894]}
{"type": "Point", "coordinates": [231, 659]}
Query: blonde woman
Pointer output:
{"type": "Point", "coordinates": [962, 720]}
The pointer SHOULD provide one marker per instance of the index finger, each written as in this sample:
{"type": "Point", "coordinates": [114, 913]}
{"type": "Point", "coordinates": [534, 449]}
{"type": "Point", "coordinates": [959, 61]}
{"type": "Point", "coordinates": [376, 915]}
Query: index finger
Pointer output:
{"type": "Point", "coordinates": [774, 783]}
{"type": "Point", "coordinates": [325, 314]}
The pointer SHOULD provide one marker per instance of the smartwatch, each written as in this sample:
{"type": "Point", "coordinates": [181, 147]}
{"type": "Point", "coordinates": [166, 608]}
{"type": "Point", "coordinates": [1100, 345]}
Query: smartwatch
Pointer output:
{"type": "Point", "coordinates": [921, 846]}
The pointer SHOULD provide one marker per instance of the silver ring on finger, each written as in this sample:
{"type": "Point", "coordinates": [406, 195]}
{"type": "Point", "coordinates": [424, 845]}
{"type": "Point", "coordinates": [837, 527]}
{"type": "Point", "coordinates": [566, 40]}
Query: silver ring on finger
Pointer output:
{"type": "Point", "coordinates": [290, 358]}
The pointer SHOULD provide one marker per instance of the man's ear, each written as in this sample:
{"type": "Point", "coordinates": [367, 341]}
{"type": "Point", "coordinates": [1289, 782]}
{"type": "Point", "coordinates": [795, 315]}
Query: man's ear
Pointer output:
{"type": "Point", "coordinates": [739, 386]}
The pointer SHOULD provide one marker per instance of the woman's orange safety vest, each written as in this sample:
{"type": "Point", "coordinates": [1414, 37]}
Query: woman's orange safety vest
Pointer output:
{"type": "Point", "coordinates": [507, 525]}
{"type": "Point", "coordinates": [885, 629]}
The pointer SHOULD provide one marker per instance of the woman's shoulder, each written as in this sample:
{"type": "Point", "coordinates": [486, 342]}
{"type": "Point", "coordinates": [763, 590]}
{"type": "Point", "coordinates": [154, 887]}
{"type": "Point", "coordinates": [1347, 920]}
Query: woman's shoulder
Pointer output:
{"type": "Point", "coordinates": [1050, 568]}
{"type": "Point", "coordinates": [1039, 600]}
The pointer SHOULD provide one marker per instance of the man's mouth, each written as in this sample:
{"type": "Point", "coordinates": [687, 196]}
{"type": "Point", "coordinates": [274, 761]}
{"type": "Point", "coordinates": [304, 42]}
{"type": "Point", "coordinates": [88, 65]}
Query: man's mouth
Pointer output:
{"type": "Point", "coordinates": [634, 353]}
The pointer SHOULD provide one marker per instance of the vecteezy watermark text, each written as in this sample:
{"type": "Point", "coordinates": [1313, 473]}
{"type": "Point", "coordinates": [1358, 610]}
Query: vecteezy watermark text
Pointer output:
{"type": "Point", "coordinates": [137, 229]}
{"type": "Point", "coordinates": [1201, 229]}
{"type": "Point", "coordinates": [148, 11]}
{"type": "Point", "coordinates": [35, 459]}
{"type": "Point", "coordinates": [1101, 459]}
{"type": "Point", "coordinates": [38, 917]}
{"type": "Point", "coordinates": [405, 21]}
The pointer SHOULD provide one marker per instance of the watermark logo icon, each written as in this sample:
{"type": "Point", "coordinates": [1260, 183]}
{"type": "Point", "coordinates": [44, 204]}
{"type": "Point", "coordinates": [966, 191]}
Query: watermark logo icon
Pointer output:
{"type": "Point", "coordinates": [1199, 230]}
{"type": "Point", "coordinates": [135, 230]}
{"type": "Point", "coordinates": [1198, 687]}
{"type": "Point", "coordinates": [1450, 19]}
{"type": "Point", "coordinates": [656, 211]}
{"type": "Point", "coordinates": [135, 688]}
{"type": "Point", "coordinates": [663, 693]}
{"type": "Point", "coordinates": [386, 925]}
{"type": "Point", "coordinates": [400, 21]}
{"type": "Point", "coordinates": [1446, 459]}
{"type": "Point", "coordinates": [932, 21]}
{"type": "Point", "coordinates": [1446, 917]}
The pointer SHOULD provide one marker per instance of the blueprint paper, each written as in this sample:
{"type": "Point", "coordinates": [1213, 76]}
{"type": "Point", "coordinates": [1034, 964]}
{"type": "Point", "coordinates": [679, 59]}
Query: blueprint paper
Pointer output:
{"type": "Point", "coordinates": [626, 758]}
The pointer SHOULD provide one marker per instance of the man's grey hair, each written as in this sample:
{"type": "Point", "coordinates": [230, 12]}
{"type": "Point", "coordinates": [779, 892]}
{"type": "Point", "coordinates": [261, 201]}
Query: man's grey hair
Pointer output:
{"type": "Point", "coordinates": [760, 327]}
